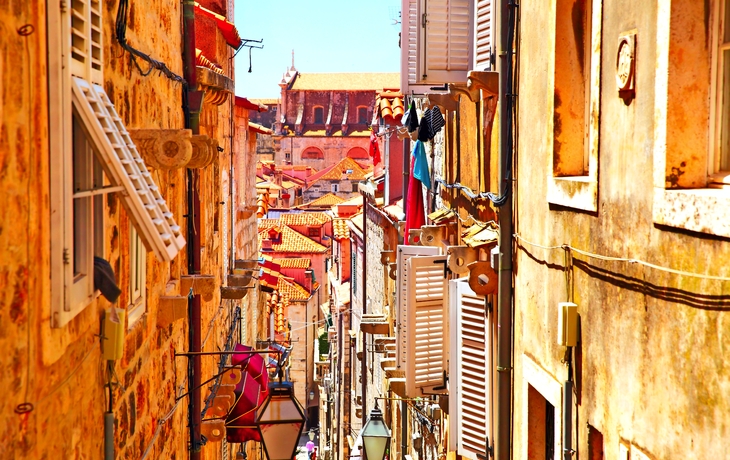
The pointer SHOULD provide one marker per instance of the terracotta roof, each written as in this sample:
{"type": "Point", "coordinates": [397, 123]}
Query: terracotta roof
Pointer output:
{"type": "Point", "coordinates": [346, 81]}
{"type": "Point", "coordinates": [265, 101]}
{"type": "Point", "coordinates": [294, 262]}
{"type": "Point", "coordinates": [338, 133]}
{"type": "Point", "coordinates": [265, 224]}
{"type": "Point", "coordinates": [305, 218]}
{"type": "Point", "coordinates": [293, 241]}
{"type": "Point", "coordinates": [292, 290]}
{"type": "Point", "coordinates": [340, 169]}
{"type": "Point", "coordinates": [357, 221]}
{"type": "Point", "coordinates": [354, 201]}
{"type": "Point", "coordinates": [340, 229]}
{"type": "Point", "coordinates": [390, 107]}
{"type": "Point", "coordinates": [329, 199]}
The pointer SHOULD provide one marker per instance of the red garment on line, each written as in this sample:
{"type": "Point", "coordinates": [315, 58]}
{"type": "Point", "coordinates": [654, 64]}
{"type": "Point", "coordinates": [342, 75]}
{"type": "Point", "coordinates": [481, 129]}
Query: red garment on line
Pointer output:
{"type": "Point", "coordinates": [415, 214]}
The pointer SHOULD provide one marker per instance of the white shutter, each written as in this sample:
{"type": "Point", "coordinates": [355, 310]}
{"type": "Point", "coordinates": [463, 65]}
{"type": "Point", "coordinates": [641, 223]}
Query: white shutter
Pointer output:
{"type": "Point", "coordinates": [448, 41]}
{"type": "Point", "coordinates": [484, 35]}
{"type": "Point", "coordinates": [469, 392]}
{"type": "Point", "coordinates": [427, 325]}
{"type": "Point", "coordinates": [405, 253]}
{"type": "Point", "coordinates": [411, 25]}
{"type": "Point", "coordinates": [86, 39]}
{"type": "Point", "coordinates": [121, 161]}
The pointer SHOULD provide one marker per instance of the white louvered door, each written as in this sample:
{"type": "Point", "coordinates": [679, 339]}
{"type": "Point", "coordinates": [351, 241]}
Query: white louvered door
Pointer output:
{"type": "Point", "coordinates": [470, 365]}
{"type": "Point", "coordinates": [484, 35]}
{"type": "Point", "coordinates": [124, 167]}
{"type": "Point", "coordinates": [427, 326]}
{"type": "Point", "coordinates": [447, 40]}
{"type": "Point", "coordinates": [404, 253]}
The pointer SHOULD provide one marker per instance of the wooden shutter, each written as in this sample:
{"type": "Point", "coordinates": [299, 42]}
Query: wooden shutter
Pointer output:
{"type": "Point", "coordinates": [484, 35]}
{"type": "Point", "coordinates": [427, 326]}
{"type": "Point", "coordinates": [411, 25]}
{"type": "Point", "coordinates": [86, 39]}
{"type": "Point", "coordinates": [448, 41]}
{"type": "Point", "coordinates": [124, 167]}
{"type": "Point", "coordinates": [405, 253]}
{"type": "Point", "coordinates": [469, 391]}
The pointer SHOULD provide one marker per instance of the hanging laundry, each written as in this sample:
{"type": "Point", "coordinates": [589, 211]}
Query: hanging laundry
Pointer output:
{"type": "Point", "coordinates": [419, 176]}
{"type": "Point", "coordinates": [424, 127]}
{"type": "Point", "coordinates": [374, 148]}
{"type": "Point", "coordinates": [436, 121]}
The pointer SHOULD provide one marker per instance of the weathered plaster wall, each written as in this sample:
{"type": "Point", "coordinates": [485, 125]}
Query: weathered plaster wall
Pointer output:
{"type": "Point", "coordinates": [650, 371]}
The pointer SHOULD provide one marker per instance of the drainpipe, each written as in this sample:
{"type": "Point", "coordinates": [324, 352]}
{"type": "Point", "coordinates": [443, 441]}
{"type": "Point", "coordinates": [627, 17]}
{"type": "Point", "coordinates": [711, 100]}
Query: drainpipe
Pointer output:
{"type": "Point", "coordinates": [364, 362]}
{"type": "Point", "coordinates": [503, 446]}
{"type": "Point", "coordinates": [192, 103]}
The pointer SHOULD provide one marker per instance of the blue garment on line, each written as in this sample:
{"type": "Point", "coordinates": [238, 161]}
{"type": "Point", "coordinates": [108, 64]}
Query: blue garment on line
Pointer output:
{"type": "Point", "coordinates": [420, 164]}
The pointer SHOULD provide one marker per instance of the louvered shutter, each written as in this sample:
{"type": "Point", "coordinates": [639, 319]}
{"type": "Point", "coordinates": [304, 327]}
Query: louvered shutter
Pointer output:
{"type": "Point", "coordinates": [405, 253]}
{"type": "Point", "coordinates": [448, 41]}
{"type": "Point", "coordinates": [427, 325]}
{"type": "Point", "coordinates": [469, 391]}
{"type": "Point", "coordinates": [86, 39]}
{"type": "Point", "coordinates": [484, 35]}
{"type": "Point", "coordinates": [411, 25]}
{"type": "Point", "coordinates": [123, 165]}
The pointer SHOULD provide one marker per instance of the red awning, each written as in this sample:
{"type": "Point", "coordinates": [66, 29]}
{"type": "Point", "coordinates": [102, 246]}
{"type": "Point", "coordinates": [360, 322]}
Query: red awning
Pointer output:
{"type": "Point", "coordinates": [250, 392]}
{"type": "Point", "coordinates": [229, 31]}
{"type": "Point", "coordinates": [246, 104]}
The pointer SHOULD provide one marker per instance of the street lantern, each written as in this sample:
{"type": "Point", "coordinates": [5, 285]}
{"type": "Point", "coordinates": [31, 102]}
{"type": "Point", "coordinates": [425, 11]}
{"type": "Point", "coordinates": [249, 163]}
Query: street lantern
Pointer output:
{"type": "Point", "coordinates": [280, 421]}
{"type": "Point", "coordinates": [311, 435]}
{"type": "Point", "coordinates": [375, 435]}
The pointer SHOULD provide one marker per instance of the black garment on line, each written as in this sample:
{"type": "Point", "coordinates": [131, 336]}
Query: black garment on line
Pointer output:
{"type": "Point", "coordinates": [104, 279]}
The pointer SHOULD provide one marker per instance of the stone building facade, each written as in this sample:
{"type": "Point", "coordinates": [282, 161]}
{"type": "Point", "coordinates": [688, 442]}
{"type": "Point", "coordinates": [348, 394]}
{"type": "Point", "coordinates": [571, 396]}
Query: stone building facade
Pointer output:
{"type": "Point", "coordinates": [60, 210]}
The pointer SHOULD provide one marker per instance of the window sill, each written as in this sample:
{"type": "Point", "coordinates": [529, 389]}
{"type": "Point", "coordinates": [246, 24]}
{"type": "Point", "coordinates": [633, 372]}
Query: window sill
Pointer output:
{"type": "Point", "coordinates": [698, 210]}
{"type": "Point", "coordinates": [579, 192]}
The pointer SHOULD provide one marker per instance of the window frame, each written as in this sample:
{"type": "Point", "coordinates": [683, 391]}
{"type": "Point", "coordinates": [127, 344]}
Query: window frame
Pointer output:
{"type": "Point", "coordinates": [335, 188]}
{"type": "Point", "coordinates": [716, 174]}
{"type": "Point", "coordinates": [695, 206]}
{"type": "Point", "coordinates": [72, 292]}
{"type": "Point", "coordinates": [363, 120]}
{"type": "Point", "coordinates": [579, 192]}
{"type": "Point", "coordinates": [318, 109]}
{"type": "Point", "coordinates": [137, 278]}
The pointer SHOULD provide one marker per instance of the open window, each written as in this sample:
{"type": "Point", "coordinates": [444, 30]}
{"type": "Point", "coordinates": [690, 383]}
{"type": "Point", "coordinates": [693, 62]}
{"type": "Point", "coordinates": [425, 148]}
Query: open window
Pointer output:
{"type": "Point", "coordinates": [576, 82]}
{"type": "Point", "coordinates": [469, 368]}
{"type": "Point", "coordinates": [318, 118]}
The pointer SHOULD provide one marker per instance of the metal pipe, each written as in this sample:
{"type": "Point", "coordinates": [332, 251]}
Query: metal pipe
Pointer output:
{"type": "Point", "coordinates": [404, 429]}
{"type": "Point", "coordinates": [109, 435]}
{"type": "Point", "coordinates": [364, 362]}
{"type": "Point", "coordinates": [568, 420]}
{"type": "Point", "coordinates": [503, 446]}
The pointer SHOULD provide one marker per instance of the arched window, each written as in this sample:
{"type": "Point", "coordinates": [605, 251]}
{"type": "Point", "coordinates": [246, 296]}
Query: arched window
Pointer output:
{"type": "Point", "coordinates": [318, 115]}
{"type": "Point", "coordinates": [362, 114]}
{"type": "Point", "coordinates": [358, 153]}
{"type": "Point", "coordinates": [312, 153]}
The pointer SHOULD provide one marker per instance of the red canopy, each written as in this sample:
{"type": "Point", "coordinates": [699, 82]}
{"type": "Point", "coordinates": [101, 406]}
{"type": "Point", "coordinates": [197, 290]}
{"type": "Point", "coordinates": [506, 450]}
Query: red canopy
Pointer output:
{"type": "Point", "coordinates": [250, 392]}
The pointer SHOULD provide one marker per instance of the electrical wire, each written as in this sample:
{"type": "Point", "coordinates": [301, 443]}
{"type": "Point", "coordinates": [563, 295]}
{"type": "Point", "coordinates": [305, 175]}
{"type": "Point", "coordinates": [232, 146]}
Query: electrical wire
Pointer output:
{"type": "Point", "coordinates": [622, 259]}
{"type": "Point", "coordinates": [121, 35]}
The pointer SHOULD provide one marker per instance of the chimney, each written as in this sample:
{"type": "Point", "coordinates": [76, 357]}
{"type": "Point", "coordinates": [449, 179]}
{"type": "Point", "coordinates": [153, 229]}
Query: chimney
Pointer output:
{"type": "Point", "coordinates": [308, 277]}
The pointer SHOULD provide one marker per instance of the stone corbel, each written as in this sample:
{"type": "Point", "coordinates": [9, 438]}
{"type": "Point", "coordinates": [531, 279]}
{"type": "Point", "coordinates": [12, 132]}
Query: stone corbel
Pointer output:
{"type": "Point", "coordinates": [459, 257]}
{"type": "Point", "coordinates": [458, 89]}
{"type": "Point", "coordinates": [216, 87]}
{"type": "Point", "coordinates": [488, 82]}
{"type": "Point", "coordinates": [482, 278]}
{"type": "Point", "coordinates": [446, 101]}
{"type": "Point", "coordinates": [171, 309]}
{"type": "Point", "coordinates": [205, 150]}
{"type": "Point", "coordinates": [201, 284]}
{"type": "Point", "coordinates": [163, 148]}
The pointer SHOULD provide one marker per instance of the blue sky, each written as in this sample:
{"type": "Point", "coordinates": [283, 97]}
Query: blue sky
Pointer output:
{"type": "Point", "coordinates": [326, 36]}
